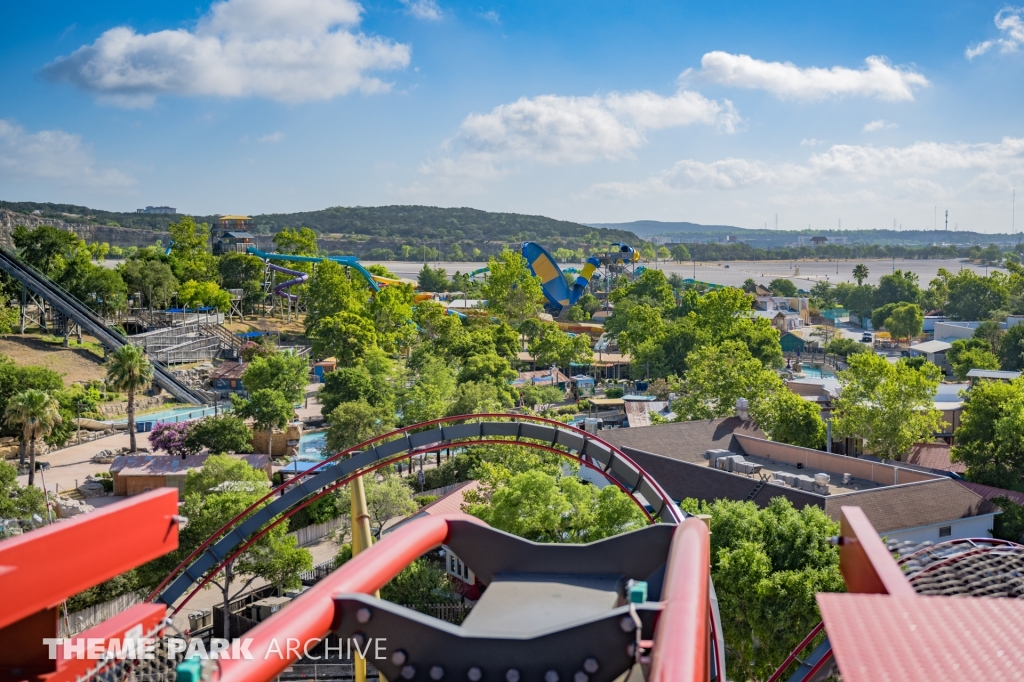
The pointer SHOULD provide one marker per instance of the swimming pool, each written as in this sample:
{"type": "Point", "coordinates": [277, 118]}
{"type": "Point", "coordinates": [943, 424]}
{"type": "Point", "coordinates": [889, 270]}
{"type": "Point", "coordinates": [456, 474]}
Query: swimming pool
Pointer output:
{"type": "Point", "coordinates": [174, 415]}
{"type": "Point", "coordinates": [313, 445]}
{"type": "Point", "coordinates": [816, 372]}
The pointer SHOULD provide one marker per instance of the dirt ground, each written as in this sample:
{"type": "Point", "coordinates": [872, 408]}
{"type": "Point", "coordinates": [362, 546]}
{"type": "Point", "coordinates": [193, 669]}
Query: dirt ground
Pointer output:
{"type": "Point", "coordinates": [76, 364]}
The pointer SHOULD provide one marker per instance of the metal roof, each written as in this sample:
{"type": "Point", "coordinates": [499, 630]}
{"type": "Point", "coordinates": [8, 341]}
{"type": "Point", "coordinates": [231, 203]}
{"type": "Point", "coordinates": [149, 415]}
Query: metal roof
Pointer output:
{"type": "Point", "coordinates": [932, 347]}
{"type": "Point", "coordinates": [992, 374]}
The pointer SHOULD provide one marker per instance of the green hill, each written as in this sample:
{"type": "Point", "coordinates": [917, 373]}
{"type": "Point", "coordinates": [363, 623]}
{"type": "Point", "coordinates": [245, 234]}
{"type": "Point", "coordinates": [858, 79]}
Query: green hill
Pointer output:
{"type": "Point", "coordinates": [361, 229]}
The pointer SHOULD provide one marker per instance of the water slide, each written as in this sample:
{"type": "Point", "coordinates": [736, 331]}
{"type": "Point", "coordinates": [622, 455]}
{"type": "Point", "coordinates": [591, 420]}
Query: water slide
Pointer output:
{"type": "Point", "coordinates": [556, 289]}
{"type": "Point", "coordinates": [348, 261]}
{"type": "Point", "coordinates": [299, 278]}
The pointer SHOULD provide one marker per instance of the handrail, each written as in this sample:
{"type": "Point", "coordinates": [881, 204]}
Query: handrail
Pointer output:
{"type": "Point", "coordinates": [311, 616]}
{"type": "Point", "coordinates": [681, 652]}
{"type": "Point", "coordinates": [796, 652]}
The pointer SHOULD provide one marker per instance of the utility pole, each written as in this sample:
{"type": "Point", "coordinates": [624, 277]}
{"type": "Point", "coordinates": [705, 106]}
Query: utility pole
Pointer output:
{"type": "Point", "coordinates": [947, 220]}
{"type": "Point", "coordinates": [776, 221]}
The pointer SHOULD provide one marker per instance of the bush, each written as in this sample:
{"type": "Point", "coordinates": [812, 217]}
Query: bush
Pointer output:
{"type": "Point", "coordinates": [845, 347]}
{"type": "Point", "coordinates": [424, 500]}
{"type": "Point", "coordinates": [614, 392]}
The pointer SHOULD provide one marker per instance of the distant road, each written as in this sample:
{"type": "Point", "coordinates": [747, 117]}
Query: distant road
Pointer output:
{"type": "Point", "coordinates": [734, 273]}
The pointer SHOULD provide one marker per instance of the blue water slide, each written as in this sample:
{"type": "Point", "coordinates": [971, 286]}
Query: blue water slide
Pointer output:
{"type": "Point", "coordinates": [556, 289]}
{"type": "Point", "coordinates": [347, 261]}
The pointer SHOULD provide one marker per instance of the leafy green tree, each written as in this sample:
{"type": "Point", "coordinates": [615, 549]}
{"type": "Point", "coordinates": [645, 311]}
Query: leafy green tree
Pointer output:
{"type": "Point", "coordinates": [544, 508]}
{"type": "Point", "coordinates": [973, 297]}
{"type": "Point", "coordinates": [788, 418]}
{"type": "Point", "coordinates": [555, 347]}
{"type": "Point", "coordinates": [151, 278]}
{"type": "Point", "coordinates": [881, 315]}
{"type": "Point", "coordinates": [845, 347]}
{"type": "Point", "coordinates": [268, 409]}
{"type": "Point", "coordinates": [651, 287]}
{"type": "Point", "coordinates": [512, 291]}
{"type": "Point", "coordinates": [718, 376]}
{"type": "Point", "coordinates": [782, 287]}
{"type": "Point", "coordinates": [420, 585]}
{"type": "Point", "coordinates": [905, 321]}
{"type": "Point", "coordinates": [1010, 524]}
{"type": "Point", "coordinates": [387, 497]}
{"type": "Point", "coordinates": [1011, 350]}
{"type": "Point", "coordinates": [300, 242]}
{"type": "Point", "coordinates": [664, 253]}
{"type": "Point", "coordinates": [992, 333]}
{"type": "Point", "coordinates": [129, 371]}
{"type": "Point", "coordinates": [990, 439]}
{"type": "Point", "coordinates": [242, 271]}
{"type": "Point", "coordinates": [190, 255]}
{"type": "Point", "coordinates": [346, 336]}
{"type": "Point", "coordinates": [767, 565]}
{"type": "Point", "coordinates": [824, 293]}
{"type": "Point", "coordinates": [899, 287]}
{"type": "Point", "coordinates": [348, 384]}
{"type": "Point", "coordinates": [101, 289]}
{"type": "Point", "coordinates": [331, 291]}
{"type": "Point", "coordinates": [889, 405]}
{"type": "Point", "coordinates": [860, 273]}
{"type": "Point", "coordinates": [221, 434]}
{"type": "Point", "coordinates": [431, 393]}
{"type": "Point", "coordinates": [489, 368]}
{"type": "Point", "coordinates": [590, 303]}
{"type": "Point", "coordinates": [195, 295]}
{"type": "Point", "coordinates": [680, 253]}
{"type": "Point", "coordinates": [643, 324]}
{"type": "Point", "coordinates": [356, 422]}
{"type": "Point", "coordinates": [46, 248]}
{"type": "Point", "coordinates": [532, 395]}
{"type": "Point", "coordinates": [283, 371]}
{"type": "Point", "coordinates": [391, 311]}
{"type": "Point", "coordinates": [968, 354]}
{"type": "Point", "coordinates": [432, 279]}
{"type": "Point", "coordinates": [477, 397]}
{"type": "Point", "coordinates": [17, 502]}
{"type": "Point", "coordinates": [36, 413]}
{"type": "Point", "coordinates": [859, 299]}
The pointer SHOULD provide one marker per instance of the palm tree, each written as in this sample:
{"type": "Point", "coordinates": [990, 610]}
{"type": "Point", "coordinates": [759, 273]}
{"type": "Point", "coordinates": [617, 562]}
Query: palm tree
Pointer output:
{"type": "Point", "coordinates": [37, 412]}
{"type": "Point", "coordinates": [860, 273]}
{"type": "Point", "coordinates": [129, 370]}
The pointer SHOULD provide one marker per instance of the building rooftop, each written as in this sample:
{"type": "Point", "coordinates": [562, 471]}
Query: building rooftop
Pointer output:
{"type": "Point", "coordinates": [932, 347]}
{"type": "Point", "coordinates": [686, 441]}
{"type": "Point", "coordinates": [989, 492]}
{"type": "Point", "coordinates": [228, 370]}
{"type": "Point", "coordinates": [167, 465]}
{"type": "Point", "coordinates": [992, 374]}
{"type": "Point", "coordinates": [934, 456]}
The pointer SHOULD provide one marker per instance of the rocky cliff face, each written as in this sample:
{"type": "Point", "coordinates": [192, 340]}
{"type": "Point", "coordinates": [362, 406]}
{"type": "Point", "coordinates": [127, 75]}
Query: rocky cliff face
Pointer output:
{"type": "Point", "coordinates": [115, 236]}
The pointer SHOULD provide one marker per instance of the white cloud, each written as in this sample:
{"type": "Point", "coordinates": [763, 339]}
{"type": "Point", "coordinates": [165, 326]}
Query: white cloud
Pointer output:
{"type": "Point", "coordinates": [810, 142]}
{"type": "Point", "coordinates": [878, 79]}
{"type": "Point", "coordinates": [53, 155]}
{"type": "Point", "coordinates": [900, 167]}
{"type": "Point", "coordinates": [880, 124]}
{"type": "Point", "coordinates": [555, 130]}
{"type": "Point", "coordinates": [297, 51]}
{"type": "Point", "coordinates": [491, 16]}
{"type": "Point", "coordinates": [1010, 22]}
{"type": "Point", "coordinates": [423, 9]}
{"type": "Point", "coordinates": [275, 136]}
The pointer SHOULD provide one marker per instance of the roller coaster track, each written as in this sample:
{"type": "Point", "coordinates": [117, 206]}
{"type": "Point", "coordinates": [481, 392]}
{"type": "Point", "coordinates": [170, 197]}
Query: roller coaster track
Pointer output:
{"type": "Point", "coordinates": [72, 308]}
{"type": "Point", "coordinates": [535, 432]}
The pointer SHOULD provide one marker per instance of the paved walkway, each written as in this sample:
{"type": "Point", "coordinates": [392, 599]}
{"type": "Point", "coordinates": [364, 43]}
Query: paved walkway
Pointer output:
{"type": "Point", "coordinates": [70, 466]}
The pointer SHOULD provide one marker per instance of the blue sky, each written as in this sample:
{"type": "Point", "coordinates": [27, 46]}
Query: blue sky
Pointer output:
{"type": "Point", "coordinates": [728, 113]}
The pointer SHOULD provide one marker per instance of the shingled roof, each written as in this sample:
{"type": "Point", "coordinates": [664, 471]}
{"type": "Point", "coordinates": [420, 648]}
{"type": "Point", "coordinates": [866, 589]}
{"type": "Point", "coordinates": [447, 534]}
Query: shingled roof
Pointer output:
{"type": "Point", "coordinates": [685, 441]}
{"type": "Point", "coordinates": [913, 505]}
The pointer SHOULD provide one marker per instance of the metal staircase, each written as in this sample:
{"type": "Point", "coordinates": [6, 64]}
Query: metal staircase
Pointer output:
{"type": "Point", "coordinates": [757, 488]}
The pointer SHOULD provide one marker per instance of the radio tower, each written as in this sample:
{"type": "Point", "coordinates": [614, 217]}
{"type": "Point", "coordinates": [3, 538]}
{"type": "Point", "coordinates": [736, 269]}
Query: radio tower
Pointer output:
{"type": "Point", "coordinates": [947, 220]}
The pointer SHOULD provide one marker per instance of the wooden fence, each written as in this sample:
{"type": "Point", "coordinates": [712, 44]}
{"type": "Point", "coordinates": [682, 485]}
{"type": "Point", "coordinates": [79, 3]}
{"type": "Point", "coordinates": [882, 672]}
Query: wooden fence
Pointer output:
{"type": "Point", "coordinates": [86, 618]}
{"type": "Point", "coordinates": [310, 534]}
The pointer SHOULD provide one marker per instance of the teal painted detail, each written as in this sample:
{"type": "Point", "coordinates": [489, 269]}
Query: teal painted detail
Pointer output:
{"type": "Point", "coordinates": [637, 592]}
{"type": "Point", "coordinates": [190, 670]}
{"type": "Point", "coordinates": [347, 261]}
